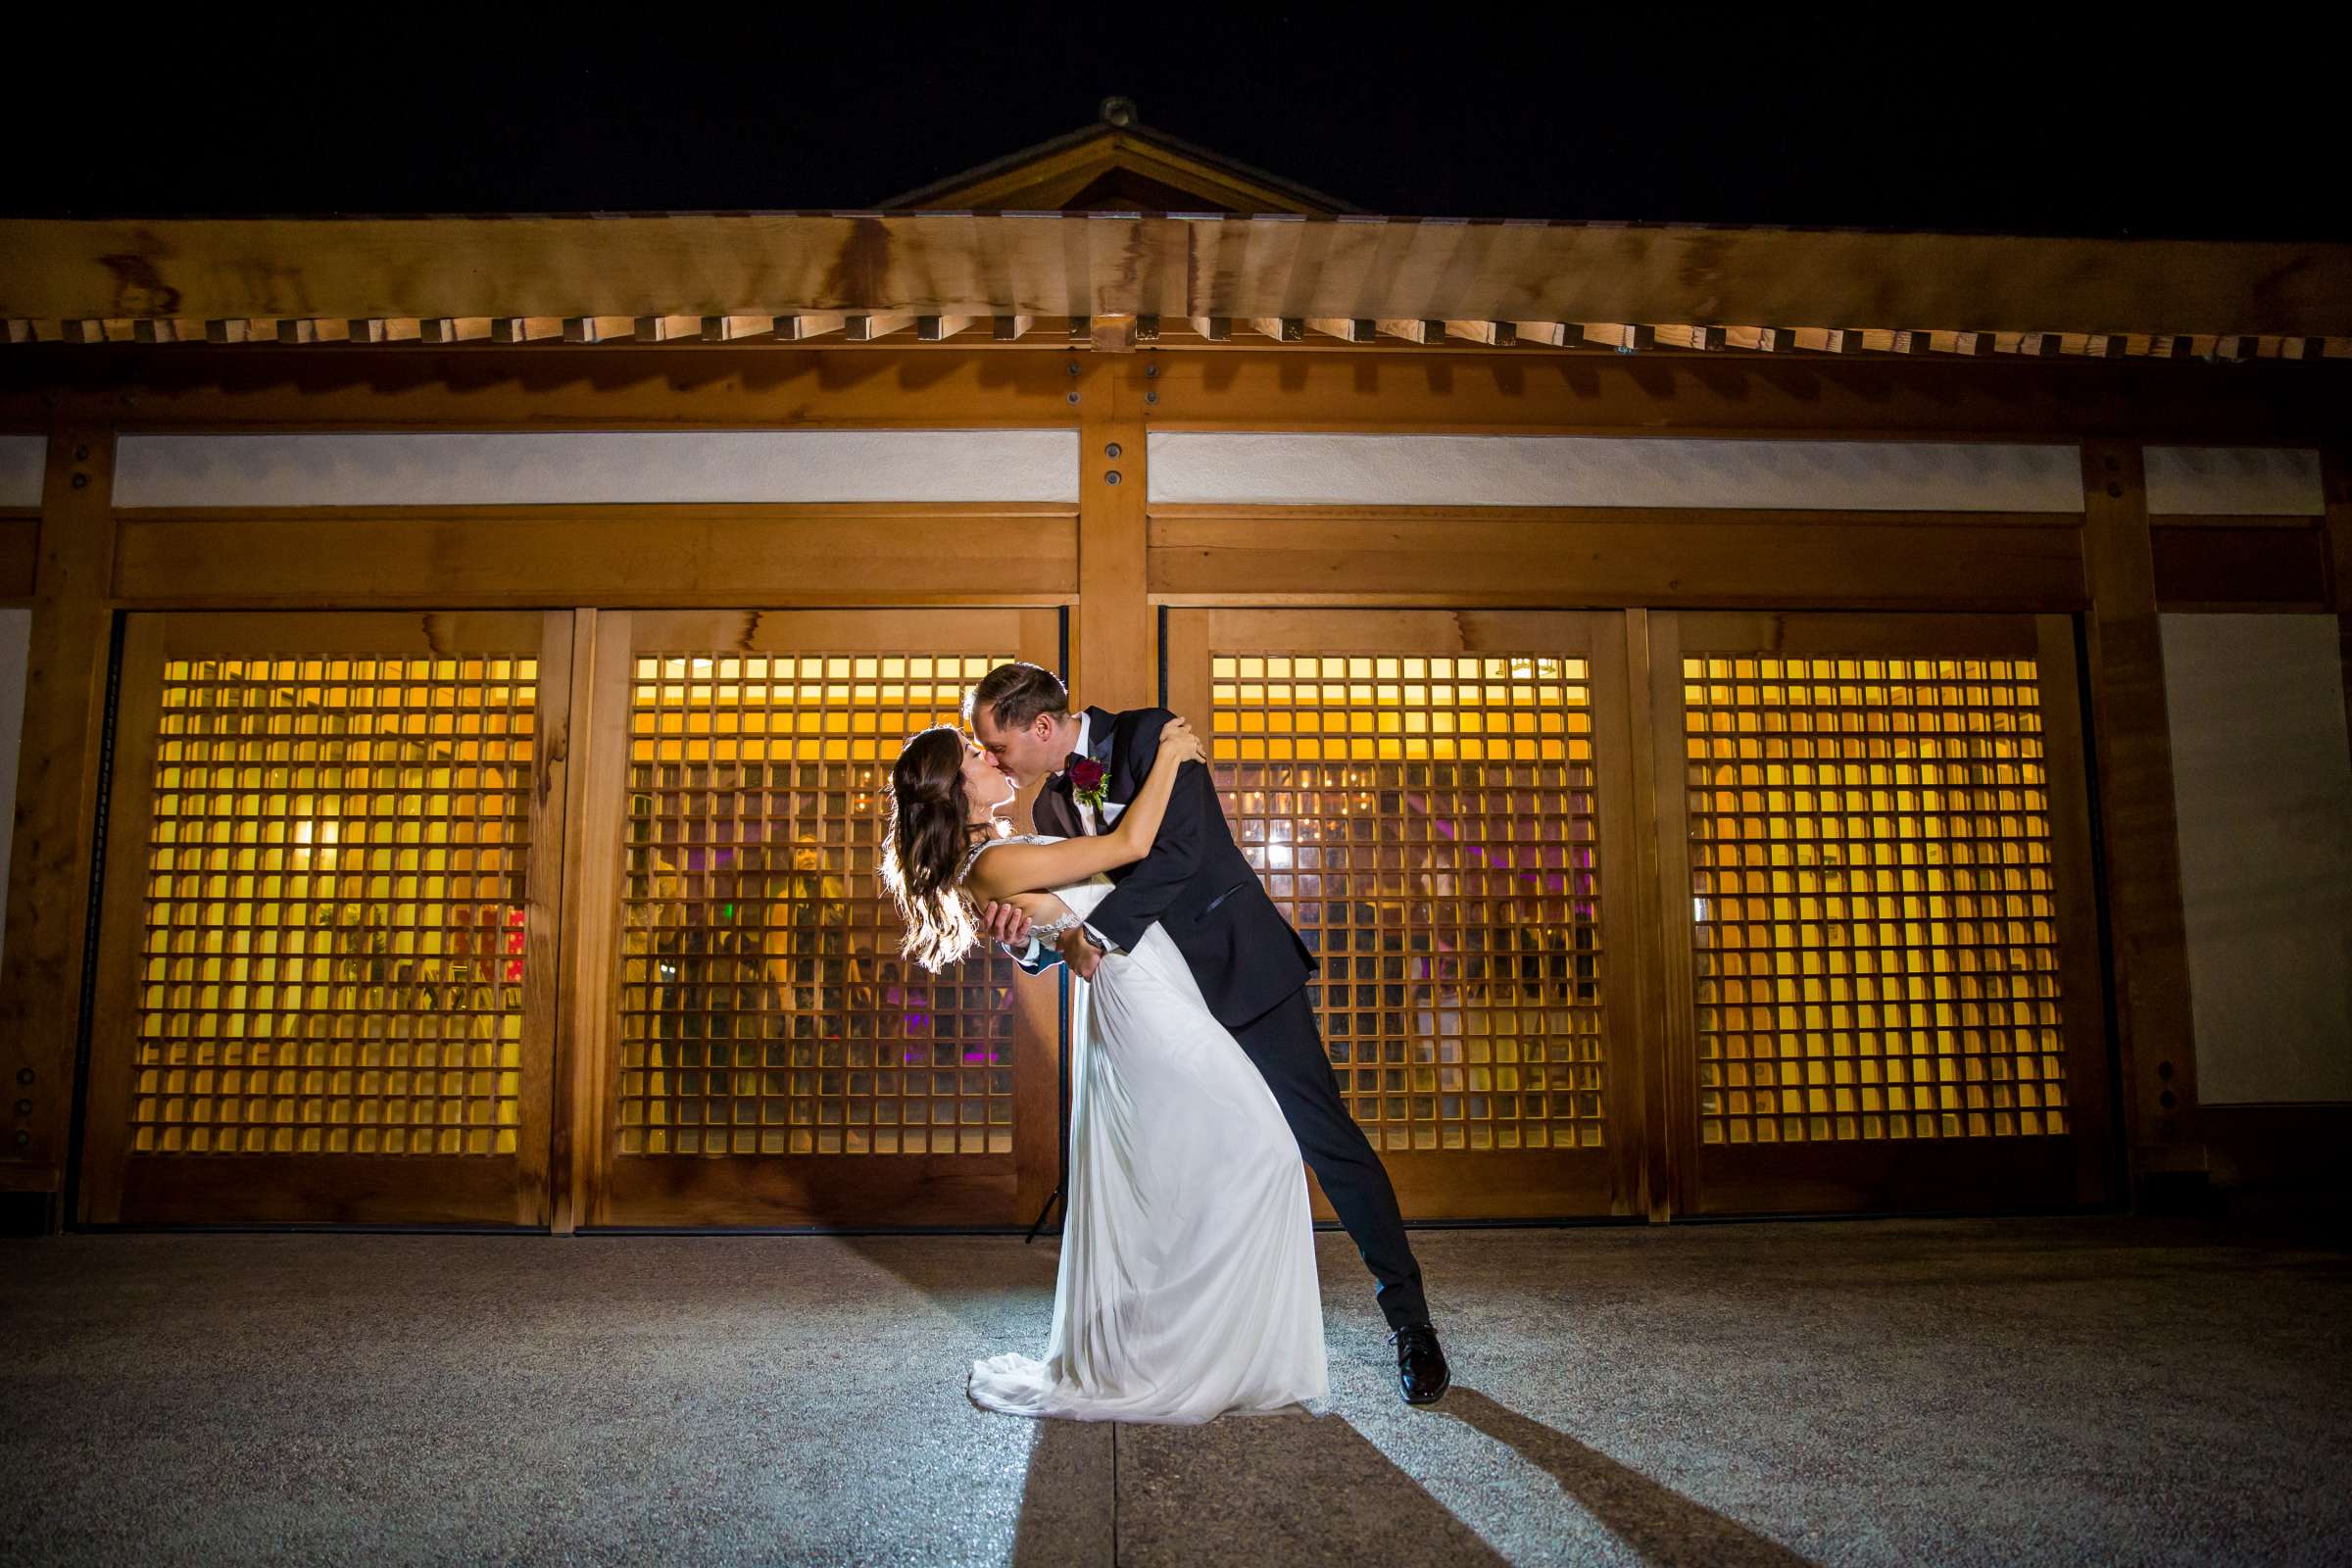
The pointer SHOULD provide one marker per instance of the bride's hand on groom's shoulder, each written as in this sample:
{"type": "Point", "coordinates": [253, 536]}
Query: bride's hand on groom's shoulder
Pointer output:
{"type": "Point", "coordinates": [1180, 744]}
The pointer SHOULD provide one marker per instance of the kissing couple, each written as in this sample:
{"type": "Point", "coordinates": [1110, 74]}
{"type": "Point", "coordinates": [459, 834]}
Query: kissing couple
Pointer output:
{"type": "Point", "coordinates": [1186, 1286]}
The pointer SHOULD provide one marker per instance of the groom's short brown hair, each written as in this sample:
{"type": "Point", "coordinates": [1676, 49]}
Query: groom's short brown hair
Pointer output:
{"type": "Point", "coordinates": [1013, 695]}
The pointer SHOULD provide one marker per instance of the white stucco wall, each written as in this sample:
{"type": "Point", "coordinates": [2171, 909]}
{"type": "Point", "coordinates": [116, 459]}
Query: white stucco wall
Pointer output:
{"type": "Point", "coordinates": [2234, 481]}
{"type": "Point", "coordinates": [21, 458]}
{"type": "Point", "coordinates": [385, 468]}
{"type": "Point", "coordinates": [1309, 468]}
{"type": "Point", "coordinates": [2262, 774]}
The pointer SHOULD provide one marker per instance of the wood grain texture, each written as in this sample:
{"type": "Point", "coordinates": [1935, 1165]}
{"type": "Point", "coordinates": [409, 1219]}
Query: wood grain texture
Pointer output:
{"type": "Point", "coordinates": [619, 555]}
{"type": "Point", "coordinates": [2148, 952]}
{"type": "Point", "coordinates": [571, 1110]}
{"type": "Point", "coordinates": [20, 556]}
{"type": "Point", "coordinates": [1468, 1183]}
{"type": "Point", "coordinates": [1115, 648]}
{"type": "Point", "coordinates": [494, 387]}
{"type": "Point", "coordinates": [2335, 479]}
{"type": "Point", "coordinates": [154, 1188]}
{"type": "Point", "coordinates": [1670, 1031]}
{"type": "Point", "coordinates": [1467, 391]}
{"type": "Point", "coordinates": [2279, 563]}
{"type": "Point", "coordinates": [1095, 264]}
{"type": "Point", "coordinates": [1862, 1175]}
{"type": "Point", "coordinates": [1612, 555]}
{"type": "Point", "coordinates": [776, 1190]}
{"type": "Point", "coordinates": [56, 787]}
{"type": "Point", "coordinates": [2100, 1162]}
{"type": "Point", "coordinates": [1488, 392]}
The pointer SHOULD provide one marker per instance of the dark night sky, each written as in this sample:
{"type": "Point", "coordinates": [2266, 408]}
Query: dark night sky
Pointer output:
{"type": "Point", "coordinates": [1996, 120]}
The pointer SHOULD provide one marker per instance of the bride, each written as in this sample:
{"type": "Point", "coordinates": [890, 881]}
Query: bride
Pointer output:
{"type": "Point", "coordinates": [1186, 1287]}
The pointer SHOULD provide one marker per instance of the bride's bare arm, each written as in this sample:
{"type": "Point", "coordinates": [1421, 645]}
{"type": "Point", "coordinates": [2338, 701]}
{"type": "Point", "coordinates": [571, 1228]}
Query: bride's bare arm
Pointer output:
{"type": "Point", "coordinates": [1042, 908]}
{"type": "Point", "coordinates": [1028, 867]}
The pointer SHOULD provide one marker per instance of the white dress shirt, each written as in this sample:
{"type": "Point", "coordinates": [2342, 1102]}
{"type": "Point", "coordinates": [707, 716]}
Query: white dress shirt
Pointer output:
{"type": "Point", "coordinates": [1111, 813]}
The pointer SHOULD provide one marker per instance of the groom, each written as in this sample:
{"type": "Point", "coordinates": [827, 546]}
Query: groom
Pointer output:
{"type": "Point", "coordinates": [1251, 965]}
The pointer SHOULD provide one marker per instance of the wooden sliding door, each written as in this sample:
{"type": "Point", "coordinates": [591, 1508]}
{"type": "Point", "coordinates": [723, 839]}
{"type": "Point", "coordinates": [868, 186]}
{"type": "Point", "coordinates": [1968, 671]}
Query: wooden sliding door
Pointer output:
{"type": "Point", "coordinates": [1793, 913]}
{"type": "Point", "coordinates": [755, 1050]}
{"type": "Point", "coordinates": [326, 977]}
{"type": "Point", "coordinates": [1435, 800]}
{"type": "Point", "coordinates": [1881, 937]}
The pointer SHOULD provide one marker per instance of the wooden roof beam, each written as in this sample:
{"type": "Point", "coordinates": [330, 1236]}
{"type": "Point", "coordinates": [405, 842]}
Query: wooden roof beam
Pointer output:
{"type": "Point", "coordinates": [816, 323]}
{"type": "Point", "coordinates": [597, 328]}
{"type": "Point", "coordinates": [733, 328]}
{"type": "Point", "coordinates": [1009, 328]}
{"type": "Point", "coordinates": [1347, 329]}
{"type": "Point", "coordinates": [1411, 332]}
{"type": "Point", "coordinates": [869, 327]}
{"type": "Point", "coordinates": [466, 328]}
{"type": "Point", "coordinates": [1494, 334]}
{"type": "Point", "coordinates": [406, 329]}
{"type": "Point", "coordinates": [1214, 329]}
{"type": "Point", "coordinates": [1698, 339]}
{"type": "Point", "coordinates": [526, 329]}
{"type": "Point", "coordinates": [1626, 337]}
{"type": "Point", "coordinates": [1968, 345]}
{"type": "Point", "coordinates": [1280, 328]}
{"type": "Point", "coordinates": [939, 328]}
{"type": "Point", "coordinates": [1549, 334]}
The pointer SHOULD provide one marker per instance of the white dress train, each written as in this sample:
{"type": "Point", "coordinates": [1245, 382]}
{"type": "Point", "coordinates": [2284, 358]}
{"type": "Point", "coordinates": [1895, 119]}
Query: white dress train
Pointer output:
{"type": "Point", "coordinates": [1186, 1288]}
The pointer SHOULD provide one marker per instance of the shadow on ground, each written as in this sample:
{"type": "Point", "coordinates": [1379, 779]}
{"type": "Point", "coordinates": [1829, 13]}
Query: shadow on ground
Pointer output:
{"type": "Point", "coordinates": [1658, 1523]}
{"type": "Point", "coordinates": [1292, 1489]}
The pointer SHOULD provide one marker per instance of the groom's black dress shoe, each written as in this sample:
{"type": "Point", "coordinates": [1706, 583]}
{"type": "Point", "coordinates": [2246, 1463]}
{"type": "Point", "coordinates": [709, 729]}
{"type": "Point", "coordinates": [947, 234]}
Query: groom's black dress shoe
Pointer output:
{"type": "Point", "coordinates": [1421, 1371]}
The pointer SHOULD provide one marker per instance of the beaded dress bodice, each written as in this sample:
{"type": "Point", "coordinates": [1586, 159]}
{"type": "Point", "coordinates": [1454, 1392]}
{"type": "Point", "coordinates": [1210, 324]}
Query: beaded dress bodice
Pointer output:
{"type": "Point", "coordinates": [1044, 930]}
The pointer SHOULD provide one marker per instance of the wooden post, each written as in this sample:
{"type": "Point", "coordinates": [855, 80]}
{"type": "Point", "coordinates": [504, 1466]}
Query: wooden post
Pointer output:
{"type": "Point", "coordinates": [1115, 653]}
{"type": "Point", "coordinates": [572, 1104]}
{"type": "Point", "coordinates": [2131, 736]}
{"type": "Point", "coordinates": [1654, 933]}
{"type": "Point", "coordinates": [2335, 479]}
{"type": "Point", "coordinates": [57, 783]}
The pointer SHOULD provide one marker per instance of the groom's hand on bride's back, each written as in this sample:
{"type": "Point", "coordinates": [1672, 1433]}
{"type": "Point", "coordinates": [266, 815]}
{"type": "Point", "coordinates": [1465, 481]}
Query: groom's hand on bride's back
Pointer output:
{"type": "Point", "coordinates": [1079, 952]}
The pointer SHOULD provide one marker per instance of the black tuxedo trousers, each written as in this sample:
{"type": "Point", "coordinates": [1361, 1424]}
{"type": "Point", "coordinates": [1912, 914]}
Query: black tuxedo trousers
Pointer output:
{"type": "Point", "coordinates": [1253, 972]}
{"type": "Point", "coordinates": [1287, 1047]}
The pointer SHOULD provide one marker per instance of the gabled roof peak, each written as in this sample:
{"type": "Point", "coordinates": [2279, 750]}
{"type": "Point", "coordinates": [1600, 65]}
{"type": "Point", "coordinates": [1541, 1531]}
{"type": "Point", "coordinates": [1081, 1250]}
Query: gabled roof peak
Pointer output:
{"type": "Point", "coordinates": [1117, 165]}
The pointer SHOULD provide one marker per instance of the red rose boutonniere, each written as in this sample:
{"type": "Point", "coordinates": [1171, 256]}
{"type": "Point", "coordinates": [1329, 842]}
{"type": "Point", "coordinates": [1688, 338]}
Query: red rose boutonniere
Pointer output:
{"type": "Point", "coordinates": [1087, 778]}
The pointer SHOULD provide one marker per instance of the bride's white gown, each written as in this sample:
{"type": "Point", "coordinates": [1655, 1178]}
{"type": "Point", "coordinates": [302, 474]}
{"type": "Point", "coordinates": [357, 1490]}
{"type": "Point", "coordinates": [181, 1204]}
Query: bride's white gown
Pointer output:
{"type": "Point", "coordinates": [1188, 1285]}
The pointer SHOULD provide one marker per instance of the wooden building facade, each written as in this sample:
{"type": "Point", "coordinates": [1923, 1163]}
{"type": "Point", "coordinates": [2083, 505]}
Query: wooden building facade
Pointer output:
{"type": "Point", "coordinates": [1713, 699]}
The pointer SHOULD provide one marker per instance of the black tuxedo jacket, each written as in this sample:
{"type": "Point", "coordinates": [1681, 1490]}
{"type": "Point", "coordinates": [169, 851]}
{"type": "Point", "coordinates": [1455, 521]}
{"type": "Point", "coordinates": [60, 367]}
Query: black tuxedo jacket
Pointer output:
{"type": "Point", "coordinates": [1194, 883]}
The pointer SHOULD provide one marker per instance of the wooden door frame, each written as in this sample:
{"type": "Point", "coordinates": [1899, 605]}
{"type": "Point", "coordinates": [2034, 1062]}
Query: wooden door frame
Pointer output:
{"type": "Point", "coordinates": [1603, 1183]}
{"type": "Point", "coordinates": [1969, 1174]}
{"type": "Point", "coordinates": [767, 1192]}
{"type": "Point", "coordinates": [116, 1186]}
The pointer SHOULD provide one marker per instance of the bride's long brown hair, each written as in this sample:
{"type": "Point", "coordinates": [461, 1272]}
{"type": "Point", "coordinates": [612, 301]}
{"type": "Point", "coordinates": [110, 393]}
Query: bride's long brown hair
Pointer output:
{"type": "Point", "coordinates": [924, 838]}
